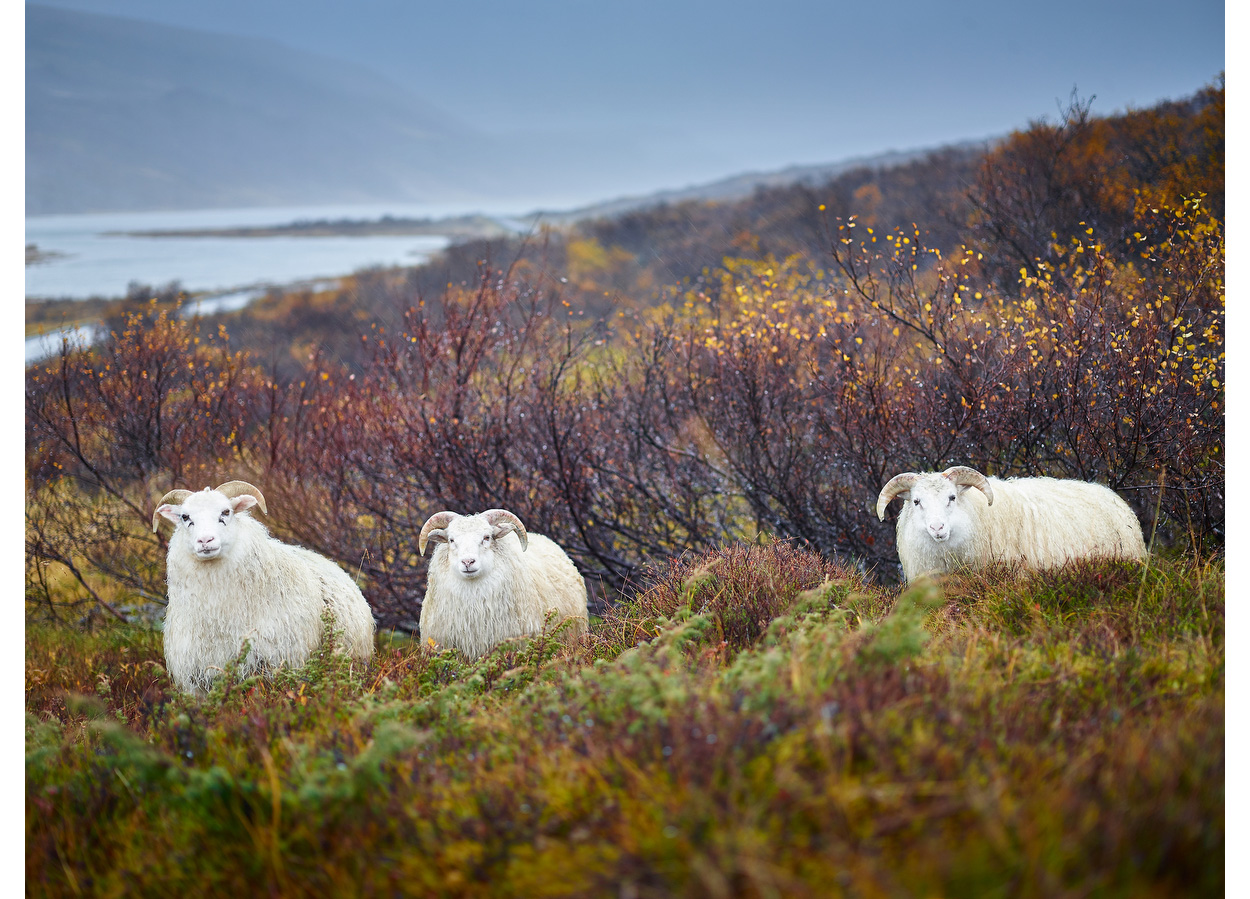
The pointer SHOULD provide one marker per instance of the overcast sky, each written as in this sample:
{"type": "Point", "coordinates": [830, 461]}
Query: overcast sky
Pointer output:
{"type": "Point", "coordinates": [734, 86]}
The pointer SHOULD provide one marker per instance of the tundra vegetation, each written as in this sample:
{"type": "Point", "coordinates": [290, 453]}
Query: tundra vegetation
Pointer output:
{"type": "Point", "coordinates": [759, 708]}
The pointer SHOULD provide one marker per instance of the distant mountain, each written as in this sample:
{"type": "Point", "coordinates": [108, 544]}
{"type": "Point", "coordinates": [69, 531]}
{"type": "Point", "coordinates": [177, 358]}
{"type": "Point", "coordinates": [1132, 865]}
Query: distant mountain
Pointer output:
{"type": "Point", "coordinates": [123, 114]}
{"type": "Point", "coordinates": [738, 187]}
{"type": "Point", "coordinates": [128, 115]}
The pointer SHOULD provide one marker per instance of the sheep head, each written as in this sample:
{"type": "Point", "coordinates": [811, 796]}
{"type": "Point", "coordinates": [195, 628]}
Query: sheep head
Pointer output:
{"type": "Point", "coordinates": [207, 516]}
{"type": "Point", "coordinates": [934, 506]}
{"type": "Point", "coordinates": [470, 539]}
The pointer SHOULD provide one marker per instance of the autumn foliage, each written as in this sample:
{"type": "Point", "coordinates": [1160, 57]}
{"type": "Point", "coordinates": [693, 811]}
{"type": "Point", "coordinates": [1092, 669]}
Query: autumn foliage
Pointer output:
{"type": "Point", "coordinates": [774, 397]}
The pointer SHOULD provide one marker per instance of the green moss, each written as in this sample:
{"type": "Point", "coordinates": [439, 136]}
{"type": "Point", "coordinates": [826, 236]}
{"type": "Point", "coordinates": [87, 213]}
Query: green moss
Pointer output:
{"type": "Point", "coordinates": [975, 736]}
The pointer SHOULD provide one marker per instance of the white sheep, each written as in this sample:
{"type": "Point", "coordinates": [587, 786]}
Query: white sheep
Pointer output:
{"type": "Point", "coordinates": [1036, 523]}
{"type": "Point", "coordinates": [229, 581]}
{"type": "Point", "coordinates": [489, 581]}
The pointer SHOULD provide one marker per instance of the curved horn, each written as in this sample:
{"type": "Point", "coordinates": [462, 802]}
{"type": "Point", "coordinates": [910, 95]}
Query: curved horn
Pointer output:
{"type": "Point", "coordinates": [970, 477]}
{"type": "Point", "coordinates": [173, 496]}
{"type": "Point", "coordinates": [435, 525]}
{"type": "Point", "coordinates": [237, 488]}
{"type": "Point", "coordinates": [503, 520]}
{"type": "Point", "coordinates": [900, 483]}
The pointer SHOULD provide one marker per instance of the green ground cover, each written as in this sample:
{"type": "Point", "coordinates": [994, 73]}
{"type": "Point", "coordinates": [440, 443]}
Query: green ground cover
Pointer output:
{"type": "Point", "coordinates": [751, 721]}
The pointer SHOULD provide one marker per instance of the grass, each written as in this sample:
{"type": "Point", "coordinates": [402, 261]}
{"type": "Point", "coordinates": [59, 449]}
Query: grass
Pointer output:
{"type": "Point", "coordinates": [755, 721]}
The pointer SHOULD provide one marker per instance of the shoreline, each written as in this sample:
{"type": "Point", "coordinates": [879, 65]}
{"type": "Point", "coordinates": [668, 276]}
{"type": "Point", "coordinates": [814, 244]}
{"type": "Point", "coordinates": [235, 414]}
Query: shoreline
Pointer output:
{"type": "Point", "coordinates": [469, 227]}
{"type": "Point", "coordinates": [84, 322]}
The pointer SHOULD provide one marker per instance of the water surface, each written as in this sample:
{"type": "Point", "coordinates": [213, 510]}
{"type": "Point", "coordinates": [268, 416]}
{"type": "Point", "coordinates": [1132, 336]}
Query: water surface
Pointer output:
{"type": "Point", "coordinates": [90, 255]}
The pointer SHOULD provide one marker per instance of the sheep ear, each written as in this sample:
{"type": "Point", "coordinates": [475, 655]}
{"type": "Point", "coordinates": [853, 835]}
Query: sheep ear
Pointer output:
{"type": "Point", "coordinates": [438, 535]}
{"type": "Point", "coordinates": [233, 489]}
{"type": "Point", "coordinates": [168, 511]}
{"type": "Point", "coordinates": [506, 528]}
{"type": "Point", "coordinates": [502, 521]}
{"type": "Point", "coordinates": [899, 485]}
{"type": "Point", "coordinates": [434, 529]}
{"type": "Point", "coordinates": [244, 502]}
{"type": "Point", "coordinates": [969, 477]}
{"type": "Point", "coordinates": [172, 499]}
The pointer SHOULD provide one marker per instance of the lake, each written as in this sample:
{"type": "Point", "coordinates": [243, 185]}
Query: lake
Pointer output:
{"type": "Point", "coordinates": [86, 257]}
{"type": "Point", "coordinates": [90, 259]}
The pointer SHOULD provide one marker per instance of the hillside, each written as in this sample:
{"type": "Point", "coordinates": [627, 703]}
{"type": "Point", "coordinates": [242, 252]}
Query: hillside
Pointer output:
{"type": "Point", "coordinates": [1005, 199]}
{"type": "Point", "coordinates": [123, 114]}
{"type": "Point", "coordinates": [742, 186]}
{"type": "Point", "coordinates": [700, 403]}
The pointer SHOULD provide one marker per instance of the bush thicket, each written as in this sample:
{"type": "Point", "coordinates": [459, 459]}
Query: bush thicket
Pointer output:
{"type": "Point", "coordinates": [774, 399]}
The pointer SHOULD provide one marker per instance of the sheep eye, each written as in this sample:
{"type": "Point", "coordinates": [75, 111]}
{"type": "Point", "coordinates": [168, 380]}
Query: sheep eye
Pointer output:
{"type": "Point", "coordinates": [952, 499]}
{"type": "Point", "coordinates": [916, 501]}
{"type": "Point", "coordinates": [486, 539]}
{"type": "Point", "coordinates": [186, 517]}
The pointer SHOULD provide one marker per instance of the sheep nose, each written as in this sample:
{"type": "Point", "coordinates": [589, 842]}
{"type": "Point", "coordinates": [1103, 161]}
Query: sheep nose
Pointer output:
{"type": "Point", "coordinates": [468, 563]}
{"type": "Point", "coordinates": [206, 541]}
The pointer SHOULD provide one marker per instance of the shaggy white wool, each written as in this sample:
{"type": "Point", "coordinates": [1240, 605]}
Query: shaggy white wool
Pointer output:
{"type": "Point", "coordinates": [489, 583]}
{"type": "Point", "coordinates": [1036, 523]}
{"type": "Point", "coordinates": [254, 588]}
